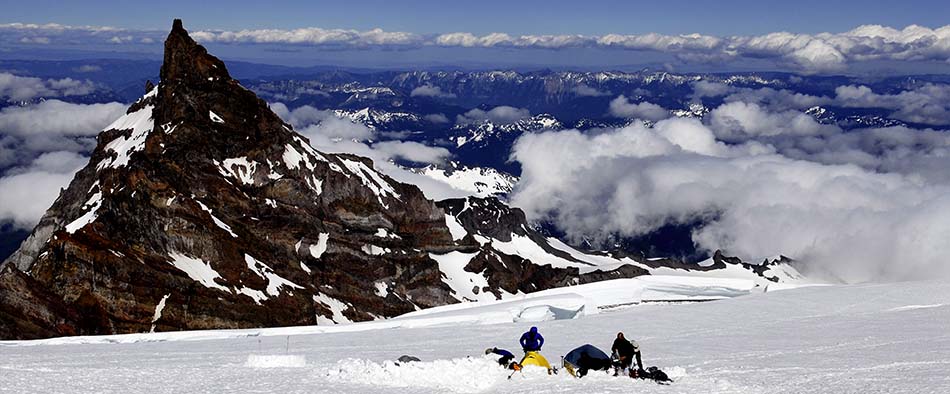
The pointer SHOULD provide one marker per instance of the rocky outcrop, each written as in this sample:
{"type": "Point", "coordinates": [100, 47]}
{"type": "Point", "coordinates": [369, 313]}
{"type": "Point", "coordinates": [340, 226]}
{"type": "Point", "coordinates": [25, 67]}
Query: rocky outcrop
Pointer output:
{"type": "Point", "coordinates": [200, 208]}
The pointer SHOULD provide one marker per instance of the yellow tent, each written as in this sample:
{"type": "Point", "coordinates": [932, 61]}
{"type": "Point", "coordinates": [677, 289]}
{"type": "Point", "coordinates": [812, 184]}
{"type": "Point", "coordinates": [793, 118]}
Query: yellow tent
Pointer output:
{"type": "Point", "coordinates": [535, 358]}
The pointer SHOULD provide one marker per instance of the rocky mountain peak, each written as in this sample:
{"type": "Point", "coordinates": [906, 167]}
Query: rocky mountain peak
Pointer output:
{"type": "Point", "coordinates": [186, 61]}
{"type": "Point", "coordinates": [196, 88]}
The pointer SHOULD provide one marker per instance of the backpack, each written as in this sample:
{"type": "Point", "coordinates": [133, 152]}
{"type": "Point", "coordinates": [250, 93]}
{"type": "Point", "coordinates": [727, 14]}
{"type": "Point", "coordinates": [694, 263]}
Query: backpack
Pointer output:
{"type": "Point", "coordinates": [656, 375]}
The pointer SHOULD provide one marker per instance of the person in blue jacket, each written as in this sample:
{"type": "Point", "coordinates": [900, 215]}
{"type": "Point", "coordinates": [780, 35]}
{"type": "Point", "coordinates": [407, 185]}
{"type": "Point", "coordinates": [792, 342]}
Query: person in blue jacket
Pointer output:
{"type": "Point", "coordinates": [532, 341]}
{"type": "Point", "coordinates": [506, 356]}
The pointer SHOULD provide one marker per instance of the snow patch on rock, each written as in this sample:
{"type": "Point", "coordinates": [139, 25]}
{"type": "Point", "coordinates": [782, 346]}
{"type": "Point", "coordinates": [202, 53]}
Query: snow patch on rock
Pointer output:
{"type": "Point", "coordinates": [216, 221]}
{"type": "Point", "coordinates": [239, 168]}
{"type": "Point", "coordinates": [336, 307]}
{"type": "Point", "coordinates": [141, 124]}
{"type": "Point", "coordinates": [455, 228]}
{"type": "Point", "coordinates": [317, 250]}
{"type": "Point", "coordinates": [371, 179]}
{"type": "Point", "coordinates": [197, 269]}
{"type": "Point", "coordinates": [374, 250]}
{"type": "Point", "coordinates": [274, 281]}
{"type": "Point", "coordinates": [158, 311]}
{"type": "Point", "coordinates": [90, 216]}
{"type": "Point", "coordinates": [466, 286]}
{"type": "Point", "coordinates": [382, 289]}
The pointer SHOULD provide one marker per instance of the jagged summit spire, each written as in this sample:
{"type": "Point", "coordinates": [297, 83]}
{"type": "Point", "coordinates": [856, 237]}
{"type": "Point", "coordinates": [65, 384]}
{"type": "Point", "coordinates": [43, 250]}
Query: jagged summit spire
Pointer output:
{"type": "Point", "coordinates": [187, 61]}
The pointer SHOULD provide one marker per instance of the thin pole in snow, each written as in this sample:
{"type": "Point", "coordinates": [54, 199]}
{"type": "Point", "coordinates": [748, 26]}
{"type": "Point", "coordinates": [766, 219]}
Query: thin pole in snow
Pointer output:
{"type": "Point", "coordinates": [288, 345]}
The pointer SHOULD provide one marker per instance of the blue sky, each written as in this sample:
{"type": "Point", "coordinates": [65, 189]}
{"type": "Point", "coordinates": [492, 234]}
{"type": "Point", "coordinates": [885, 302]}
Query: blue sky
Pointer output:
{"type": "Point", "coordinates": [728, 17]}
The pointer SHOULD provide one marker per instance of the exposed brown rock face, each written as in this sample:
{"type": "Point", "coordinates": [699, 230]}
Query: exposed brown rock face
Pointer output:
{"type": "Point", "coordinates": [202, 200]}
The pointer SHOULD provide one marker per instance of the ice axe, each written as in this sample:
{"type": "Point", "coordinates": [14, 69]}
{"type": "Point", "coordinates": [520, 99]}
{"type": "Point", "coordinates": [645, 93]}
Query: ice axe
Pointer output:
{"type": "Point", "coordinates": [516, 367]}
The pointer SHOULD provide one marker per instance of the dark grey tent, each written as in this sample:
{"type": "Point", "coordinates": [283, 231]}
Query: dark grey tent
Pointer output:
{"type": "Point", "coordinates": [585, 358]}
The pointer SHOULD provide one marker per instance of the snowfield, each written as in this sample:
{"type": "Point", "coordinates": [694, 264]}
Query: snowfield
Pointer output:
{"type": "Point", "coordinates": [875, 338]}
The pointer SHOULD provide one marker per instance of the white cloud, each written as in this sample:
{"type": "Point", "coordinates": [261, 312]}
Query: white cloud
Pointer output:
{"type": "Point", "coordinates": [853, 223]}
{"type": "Point", "coordinates": [335, 127]}
{"type": "Point", "coordinates": [436, 118]}
{"type": "Point", "coordinates": [87, 68]}
{"type": "Point", "coordinates": [311, 36]}
{"type": "Point", "coordinates": [703, 88]}
{"type": "Point", "coordinates": [54, 33]}
{"type": "Point", "coordinates": [621, 107]}
{"type": "Point", "coordinates": [58, 117]}
{"type": "Point", "coordinates": [309, 120]}
{"type": "Point", "coordinates": [120, 39]}
{"type": "Point", "coordinates": [822, 52]}
{"type": "Point", "coordinates": [587, 91]}
{"type": "Point", "coordinates": [502, 114]}
{"type": "Point", "coordinates": [52, 125]}
{"type": "Point", "coordinates": [924, 154]}
{"type": "Point", "coordinates": [777, 99]}
{"type": "Point", "coordinates": [26, 193]}
{"type": "Point", "coordinates": [35, 40]}
{"type": "Point", "coordinates": [412, 151]}
{"type": "Point", "coordinates": [428, 90]}
{"type": "Point", "coordinates": [740, 121]}
{"type": "Point", "coordinates": [929, 104]}
{"type": "Point", "coordinates": [19, 88]}
{"type": "Point", "coordinates": [328, 129]}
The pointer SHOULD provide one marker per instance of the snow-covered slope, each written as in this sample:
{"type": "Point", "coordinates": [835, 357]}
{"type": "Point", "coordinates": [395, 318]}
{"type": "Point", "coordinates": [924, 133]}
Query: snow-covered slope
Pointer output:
{"type": "Point", "coordinates": [882, 338]}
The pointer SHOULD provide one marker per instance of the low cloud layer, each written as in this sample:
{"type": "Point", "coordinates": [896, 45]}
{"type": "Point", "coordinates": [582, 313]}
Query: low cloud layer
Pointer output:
{"type": "Point", "coordinates": [41, 147]}
{"type": "Point", "coordinates": [927, 104]}
{"type": "Point", "coordinates": [27, 192]}
{"type": "Point", "coordinates": [19, 88]}
{"type": "Point", "coordinates": [587, 91]}
{"type": "Point", "coordinates": [823, 52]}
{"type": "Point", "coordinates": [502, 114]}
{"type": "Point", "coordinates": [52, 125]}
{"type": "Point", "coordinates": [621, 107]}
{"type": "Point", "coordinates": [428, 90]}
{"type": "Point", "coordinates": [861, 205]}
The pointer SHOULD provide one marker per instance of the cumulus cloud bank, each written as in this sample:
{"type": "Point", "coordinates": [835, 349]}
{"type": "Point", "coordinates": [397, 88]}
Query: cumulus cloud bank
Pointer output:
{"type": "Point", "coordinates": [807, 52]}
{"type": "Point", "coordinates": [764, 183]}
{"type": "Point", "coordinates": [823, 52]}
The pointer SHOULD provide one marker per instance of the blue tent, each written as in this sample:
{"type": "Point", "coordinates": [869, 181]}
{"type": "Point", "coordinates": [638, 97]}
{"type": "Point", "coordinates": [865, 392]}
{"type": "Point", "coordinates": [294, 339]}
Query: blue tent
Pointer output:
{"type": "Point", "coordinates": [585, 358]}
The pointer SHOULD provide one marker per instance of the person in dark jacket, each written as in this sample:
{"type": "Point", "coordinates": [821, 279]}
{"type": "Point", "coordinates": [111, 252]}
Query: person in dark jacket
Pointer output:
{"type": "Point", "coordinates": [532, 341]}
{"type": "Point", "coordinates": [625, 351]}
{"type": "Point", "coordinates": [506, 356]}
